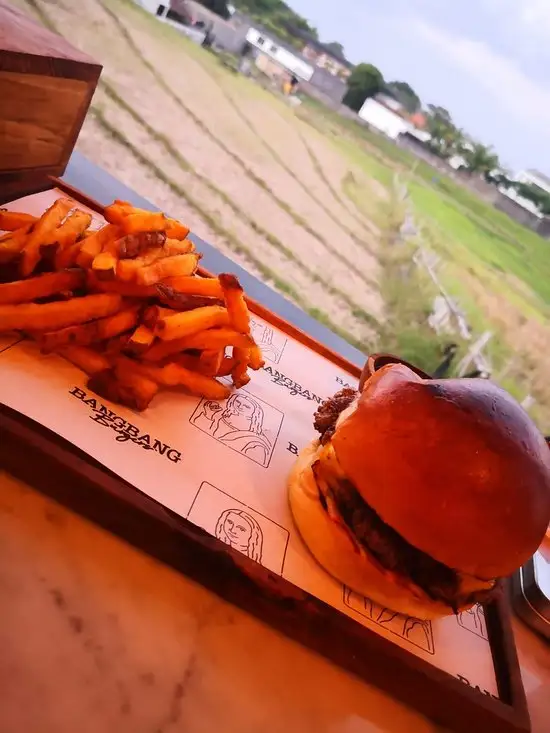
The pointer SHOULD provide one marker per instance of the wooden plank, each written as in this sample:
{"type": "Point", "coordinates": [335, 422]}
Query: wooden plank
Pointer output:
{"type": "Point", "coordinates": [37, 113]}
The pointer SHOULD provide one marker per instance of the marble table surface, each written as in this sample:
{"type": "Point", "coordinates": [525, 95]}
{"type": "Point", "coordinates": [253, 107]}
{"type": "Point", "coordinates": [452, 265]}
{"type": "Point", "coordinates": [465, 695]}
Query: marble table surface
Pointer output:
{"type": "Point", "coordinates": [97, 637]}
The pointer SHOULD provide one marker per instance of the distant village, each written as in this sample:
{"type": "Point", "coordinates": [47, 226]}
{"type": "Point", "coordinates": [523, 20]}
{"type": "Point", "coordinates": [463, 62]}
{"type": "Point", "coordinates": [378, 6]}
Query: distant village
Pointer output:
{"type": "Point", "coordinates": [322, 72]}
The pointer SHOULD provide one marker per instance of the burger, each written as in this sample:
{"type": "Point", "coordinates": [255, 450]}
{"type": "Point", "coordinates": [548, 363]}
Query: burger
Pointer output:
{"type": "Point", "coordinates": [422, 494]}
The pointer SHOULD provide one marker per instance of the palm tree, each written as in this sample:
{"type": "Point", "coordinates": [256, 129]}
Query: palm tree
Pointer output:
{"type": "Point", "coordinates": [480, 159]}
{"type": "Point", "coordinates": [446, 137]}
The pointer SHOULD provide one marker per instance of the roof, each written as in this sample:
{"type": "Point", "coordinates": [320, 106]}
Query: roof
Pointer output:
{"type": "Point", "coordinates": [245, 20]}
{"type": "Point", "coordinates": [310, 40]}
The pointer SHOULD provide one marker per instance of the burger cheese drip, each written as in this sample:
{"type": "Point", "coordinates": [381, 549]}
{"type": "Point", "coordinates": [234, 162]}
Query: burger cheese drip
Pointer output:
{"type": "Point", "coordinates": [394, 554]}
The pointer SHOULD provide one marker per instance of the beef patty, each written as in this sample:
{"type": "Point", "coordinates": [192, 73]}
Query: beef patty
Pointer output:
{"type": "Point", "coordinates": [329, 412]}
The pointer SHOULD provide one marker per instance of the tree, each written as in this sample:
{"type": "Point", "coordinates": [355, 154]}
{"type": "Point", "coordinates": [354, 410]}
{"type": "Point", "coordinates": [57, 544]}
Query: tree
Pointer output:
{"type": "Point", "coordinates": [405, 94]}
{"type": "Point", "coordinates": [365, 81]}
{"type": "Point", "coordinates": [446, 138]}
{"type": "Point", "coordinates": [535, 194]}
{"type": "Point", "coordinates": [336, 49]}
{"type": "Point", "coordinates": [280, 16]}
{"type": "Point", "coordinates": [480, 159]}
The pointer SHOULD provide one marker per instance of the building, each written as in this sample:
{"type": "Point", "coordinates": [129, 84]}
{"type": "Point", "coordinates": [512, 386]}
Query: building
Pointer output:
{"type": "Point", "coordinates": [275, 58]}
{"type": "Point", "coordinates": [176, 14]}
{"type": "Point", "coordinates": [326, 58]}
{"type": "Point", "coordinates": [321, 55]}
{"type": "Point", "coordinates": [386, 115]}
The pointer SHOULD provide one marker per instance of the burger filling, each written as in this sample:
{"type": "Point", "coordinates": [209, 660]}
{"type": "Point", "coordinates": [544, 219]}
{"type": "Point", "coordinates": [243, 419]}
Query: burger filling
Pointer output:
{"type": "Point", "coordinates": [367, 529]}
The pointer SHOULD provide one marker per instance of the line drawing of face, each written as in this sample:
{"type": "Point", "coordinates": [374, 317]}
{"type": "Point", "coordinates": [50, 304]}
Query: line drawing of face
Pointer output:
{"type": "Point", "coordinates": [241, 531]}
{"type": "Point", "coordinates": [244, 413]}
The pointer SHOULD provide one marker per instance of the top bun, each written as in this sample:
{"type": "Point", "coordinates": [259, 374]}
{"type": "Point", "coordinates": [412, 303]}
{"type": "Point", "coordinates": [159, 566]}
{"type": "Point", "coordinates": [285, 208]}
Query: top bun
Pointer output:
{"type": "Point", "coordinates": [455, 466]}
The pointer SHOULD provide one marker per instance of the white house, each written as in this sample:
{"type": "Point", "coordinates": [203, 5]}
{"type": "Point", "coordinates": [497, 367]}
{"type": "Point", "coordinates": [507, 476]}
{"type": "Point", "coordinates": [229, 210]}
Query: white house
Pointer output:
{"type": "Point", "coordinates": [378, 115]}
{"type": "Point", "coordinates": [279, 54]}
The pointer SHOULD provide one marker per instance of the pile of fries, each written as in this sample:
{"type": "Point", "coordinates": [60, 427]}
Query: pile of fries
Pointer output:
{"type": "Point", "coordinates": [124, 302]}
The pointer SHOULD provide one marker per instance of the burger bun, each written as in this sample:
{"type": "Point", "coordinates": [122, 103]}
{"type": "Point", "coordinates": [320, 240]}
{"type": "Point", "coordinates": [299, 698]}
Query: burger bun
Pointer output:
{"type": "Point", "coordinates": [340, 556]}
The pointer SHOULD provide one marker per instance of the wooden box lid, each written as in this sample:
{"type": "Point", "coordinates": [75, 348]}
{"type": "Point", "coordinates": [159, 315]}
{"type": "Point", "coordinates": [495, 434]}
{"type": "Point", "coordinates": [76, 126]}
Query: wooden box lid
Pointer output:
{"type": "Point", "coordinates": [46, 86]}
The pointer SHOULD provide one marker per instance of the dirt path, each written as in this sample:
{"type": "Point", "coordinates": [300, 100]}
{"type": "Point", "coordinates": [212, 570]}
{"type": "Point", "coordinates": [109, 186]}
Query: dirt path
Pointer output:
{"type": "Point", "coordinates": [200, 176]}
{"type": "Point", "coordinates": [201, 133]}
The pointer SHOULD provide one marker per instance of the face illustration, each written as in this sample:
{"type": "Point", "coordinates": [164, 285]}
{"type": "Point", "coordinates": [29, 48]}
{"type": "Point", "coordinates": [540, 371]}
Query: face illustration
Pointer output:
{"type": "Point", "coordinates": [243, 407]}
{"type": "Point", "coordinates": [237, 530]}
{"type": "Point", "coordinates": [211, 408]}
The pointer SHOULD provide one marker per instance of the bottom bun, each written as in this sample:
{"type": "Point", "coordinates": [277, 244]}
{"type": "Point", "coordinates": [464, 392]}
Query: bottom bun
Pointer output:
{"type": "Point", "coordinates": [336, 553]}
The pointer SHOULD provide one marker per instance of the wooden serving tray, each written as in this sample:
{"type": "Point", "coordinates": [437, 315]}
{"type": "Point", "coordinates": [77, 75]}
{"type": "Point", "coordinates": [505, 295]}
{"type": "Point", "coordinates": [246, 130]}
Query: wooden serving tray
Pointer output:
{"type": "Point", "coordinates": [57, 467]}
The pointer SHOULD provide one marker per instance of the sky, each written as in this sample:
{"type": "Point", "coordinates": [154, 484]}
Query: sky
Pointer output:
{"type": "Point", "coordinates": [486, 61]}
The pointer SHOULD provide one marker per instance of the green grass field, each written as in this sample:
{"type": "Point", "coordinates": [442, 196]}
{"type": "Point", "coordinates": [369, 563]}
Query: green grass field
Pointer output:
{"type": "Point", "coordinates": [498, 270]}
{"type": "Point", "coordinates": [468, 229]}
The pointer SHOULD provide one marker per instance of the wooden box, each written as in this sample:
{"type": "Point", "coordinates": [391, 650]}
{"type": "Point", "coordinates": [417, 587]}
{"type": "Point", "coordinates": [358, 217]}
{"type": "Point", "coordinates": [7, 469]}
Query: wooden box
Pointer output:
{"type": "Point", "coordinates": [46, 87]}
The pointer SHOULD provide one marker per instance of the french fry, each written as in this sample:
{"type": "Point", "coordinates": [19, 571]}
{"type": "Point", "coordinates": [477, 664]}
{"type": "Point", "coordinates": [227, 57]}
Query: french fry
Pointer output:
{"type": "Point", "coordinates": [12, 244]}
{"type": "Point", "coordinates": [127, 290]}
{"type": "Point", "coordinates": [174, 375]}
{"type": "Point", "coordinates": [52, 316]}
{"type": "Point", "coordinates": [10, 221]}
{"type": "Point", "coordinates": [139, 220]}
{"type": "Point", "coordinates": [142, 388]}
{"type": "Point", "coordinates": [192, 285]}
{"type": "Point", "coordinates": [134, 245]}
{"type": "Point", "coordinates": [178, 325]}
{"type": "Point", "coordinates": [176, 247]}
{"type": "Point", "coordinates": [182, 301]}
{"type": "Point", "coordinates": [167, 267]}
{"type": "Point", "coordinates": [161, 350]}
{"type": "Point", "coordinates": [40, 286]}
{"type": "Point", "coordinates": [66, 257]}
{"type": "Point", "coordinates": [95, 243]}
{"type": "Point", "coordinates": [210, 362]}
{"type": "Point", "coordinates": [147, 319]}
{"type": "Point", "coordinates": [213, 339]}
{"type": "Point", "coordinates": [116, 212]}
{"type": "Point", "coordinates": [140, 340]}
{"type": "Point", "coordinates": [105, 266]}
{"type": "Point", "coordinates": [255, 358]}
{"type": "Point", "coordinates": [176, 230]}
{"type": "Point", "coordinates": [88, 360]}
{"type": "Point", "coordinates": [126, 388]}
{"type": "Point", "coordinates": [73, 226]}
{"type": "Point", "coordinates": [227, 366]}
{"type": "Point", "coordinates": [128, 268]}
{"type": "Point", "coordinates": [116, 345]}
{"type": "Point", "coordinates": [89, 333]}
{"type": "Point", "coordinates": [239, 373]}
{"type": "Point", "coordinates": [144, 221]}
{"type": "Point", "coordinates": [153, 314]}
{"type": "Point", "coordinates": [188, 361]}
{"type": "Point", "coordinates": [235, 302]}
{"type": "Point", "coordinates": [41, 234]}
